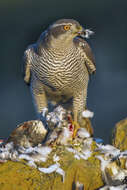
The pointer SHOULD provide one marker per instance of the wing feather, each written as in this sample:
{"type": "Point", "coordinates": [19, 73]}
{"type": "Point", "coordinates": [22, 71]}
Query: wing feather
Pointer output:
{"type": "Point", "coordinates": [26, 66]}
{"type": "Point", "coordinates": [87, 53]}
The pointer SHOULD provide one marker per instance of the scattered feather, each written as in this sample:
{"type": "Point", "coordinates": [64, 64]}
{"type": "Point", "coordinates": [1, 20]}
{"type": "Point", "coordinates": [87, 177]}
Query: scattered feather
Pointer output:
{"type": "Point", "coordinates": [77, 156]}
{"type": "Point", "coordinates": [53, 168]}
{"type": "Point", "coordinates": [83, 133]}
{"type": "Point", "coordinates": [86, 150]}
{"type": "Point", "coordinates": [44, 112]}
{"type": "Point", "coordinates": [87, 114]}
{"type": "Point", "coordinates": [56, 158]}
{"type": "Point", "coordinates": [31, 164]}
{"type": "Point", "coordinates": [86, 154]}
{"type": "Point", "coordinates": [38, 157]}
{"type": "Point", "coordinates": [43, 150]}
{"type": "Point", "coordinates": [57, 117]}
{"type": "Point", "coordinates": [50, 169]}
{"type": "Point", "coordinates": [71, 150]}
{"type": "Point", "coordinates": [61, 172]}
{"type": "Point", "coordinates": [65, 136]}
{"type": "Point", "coordinates": [120, 187]}
{"type": "Point", "coordinates": [26, 157]}
{"type": "Point", "coordinates": [104, 162]}
{"type": "Point", "coordinates": [108, 150]}
{"type": "Point", "coordinates": [88, 33]}
{"type": "Point", "coordinates": [83, 154]}
{"type": "Point", "coordinates": [118, 174]}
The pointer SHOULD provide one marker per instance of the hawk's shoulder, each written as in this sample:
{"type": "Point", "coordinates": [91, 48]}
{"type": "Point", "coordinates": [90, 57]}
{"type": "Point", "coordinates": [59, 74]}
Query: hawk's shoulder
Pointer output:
{"type": "Point", "coordinates": [88, 55]}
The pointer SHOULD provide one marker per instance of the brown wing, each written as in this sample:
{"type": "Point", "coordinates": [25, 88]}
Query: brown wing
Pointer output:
{"type": "Point", "coordinates": [87, 53]}
{"type": "Point", "coordinates": [26, 65]}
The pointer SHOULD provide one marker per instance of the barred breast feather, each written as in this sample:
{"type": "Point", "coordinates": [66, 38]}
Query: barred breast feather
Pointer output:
{"type": "Point", "coordinates": [60, 72]}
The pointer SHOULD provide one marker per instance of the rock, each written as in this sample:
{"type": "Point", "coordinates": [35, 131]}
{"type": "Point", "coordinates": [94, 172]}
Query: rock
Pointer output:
{"type": "Point", "coordinates": [28, 134]}
{"type": "Point", "coordinates": [119, 139]}
{"type": "Point", "coordinates": [32, 160]}
{"type": "Point", "coordinates": [18, 175]}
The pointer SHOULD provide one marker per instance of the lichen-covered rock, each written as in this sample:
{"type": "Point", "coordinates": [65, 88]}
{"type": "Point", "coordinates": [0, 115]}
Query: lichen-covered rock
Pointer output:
{"type": "Point", "coordinates": [18, 175]}
{"type": "Point", "coordinates": [68, 158]}
{"type": "Point", "coordinates": [119, 139]}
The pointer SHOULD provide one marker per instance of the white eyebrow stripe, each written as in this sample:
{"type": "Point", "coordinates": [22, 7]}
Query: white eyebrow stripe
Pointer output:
{"type": "Point", "coordinates": [55, 25]}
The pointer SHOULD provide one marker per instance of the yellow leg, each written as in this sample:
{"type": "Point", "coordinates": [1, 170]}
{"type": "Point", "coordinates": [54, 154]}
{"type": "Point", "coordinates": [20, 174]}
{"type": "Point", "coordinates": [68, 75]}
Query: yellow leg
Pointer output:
{"type": "Point", "coordinates": [76, 127]}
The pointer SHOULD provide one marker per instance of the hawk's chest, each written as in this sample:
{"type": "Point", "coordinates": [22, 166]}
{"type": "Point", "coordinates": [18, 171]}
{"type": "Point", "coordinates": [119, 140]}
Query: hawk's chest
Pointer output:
{"type": "Point", "coordinates": [60, 71]}
{"type": "Point", "coordinates": [61, 67]}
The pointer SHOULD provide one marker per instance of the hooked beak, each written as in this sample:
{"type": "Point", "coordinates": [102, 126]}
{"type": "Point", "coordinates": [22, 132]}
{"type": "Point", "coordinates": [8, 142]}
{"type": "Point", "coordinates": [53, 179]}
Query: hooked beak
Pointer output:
{"type": "Point", "coordinates": [85, 33]}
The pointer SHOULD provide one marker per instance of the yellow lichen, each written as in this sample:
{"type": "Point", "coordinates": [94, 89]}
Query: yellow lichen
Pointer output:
{"type": "Point", "coordinates": [19, 176]}
{"type": "Point", "coordinates": [120, 135]}
{"type": "Point", "coordinates": [122, 162]}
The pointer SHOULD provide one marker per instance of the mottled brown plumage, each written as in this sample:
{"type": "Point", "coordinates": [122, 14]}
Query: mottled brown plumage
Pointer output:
{"type": "Point", "coordinates": [28, 134]}
{"type": "Point", "coordinates": [57, 67]}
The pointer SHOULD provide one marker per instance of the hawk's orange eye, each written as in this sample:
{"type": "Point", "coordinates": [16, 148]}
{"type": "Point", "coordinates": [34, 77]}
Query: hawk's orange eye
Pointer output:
{"type": "Point", "coordinates": [66, 27]}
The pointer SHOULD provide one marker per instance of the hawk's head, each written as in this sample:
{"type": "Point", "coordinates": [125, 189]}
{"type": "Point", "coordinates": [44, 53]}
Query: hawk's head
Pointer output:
{"type": "Point", "coordinates": [62, 32]}
{"type": "Point", "coordinates": [66, 28]}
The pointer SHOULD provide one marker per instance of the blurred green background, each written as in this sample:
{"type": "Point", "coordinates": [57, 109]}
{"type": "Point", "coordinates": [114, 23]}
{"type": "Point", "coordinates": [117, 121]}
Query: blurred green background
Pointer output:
{"type": "Point", "coordinates": [21, 23]}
